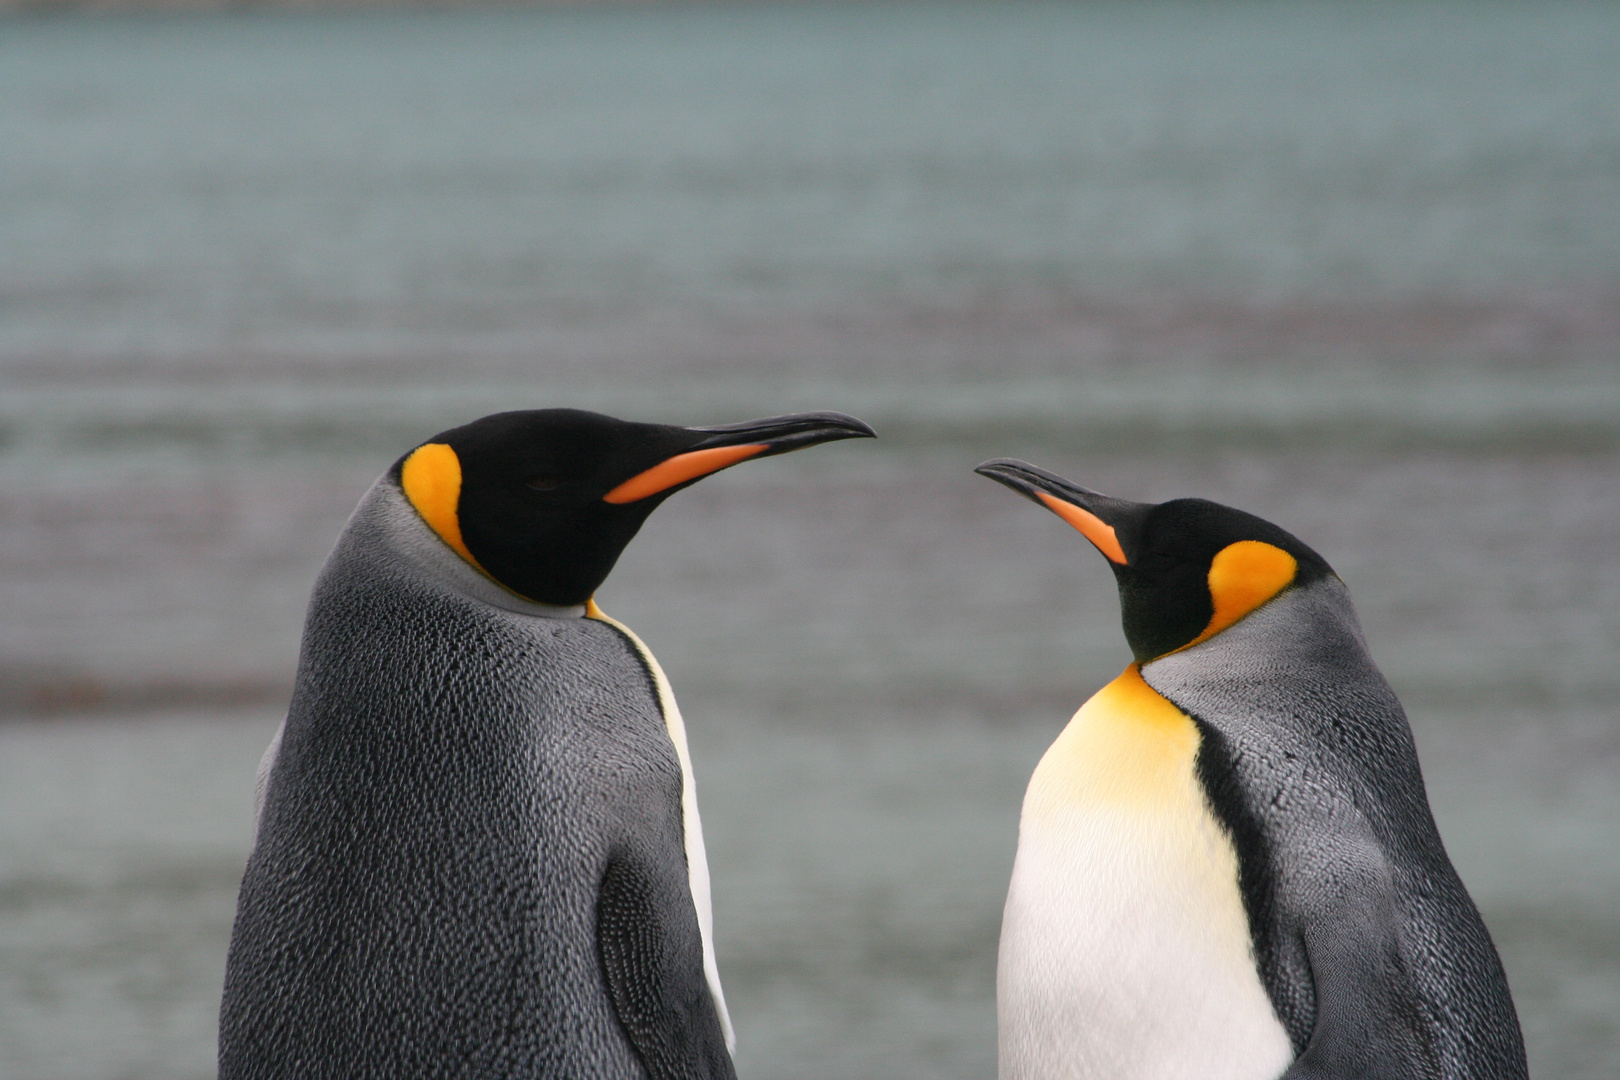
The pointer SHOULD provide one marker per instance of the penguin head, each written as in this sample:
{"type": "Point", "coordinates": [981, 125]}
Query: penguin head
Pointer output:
{"type": "Point", "coordinates": [1187, 569]}
{"type": "Point", "coordinates": [544, 501]}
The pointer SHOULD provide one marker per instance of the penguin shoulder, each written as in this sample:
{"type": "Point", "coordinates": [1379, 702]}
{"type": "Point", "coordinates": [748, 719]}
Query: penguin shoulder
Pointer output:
{"type": "Point", "coordinates": [1294, 678]}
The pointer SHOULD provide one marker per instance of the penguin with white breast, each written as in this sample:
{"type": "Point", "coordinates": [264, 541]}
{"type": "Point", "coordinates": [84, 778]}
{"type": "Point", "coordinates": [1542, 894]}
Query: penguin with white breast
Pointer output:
{"type": "Point", "coordinates": [1227, 868]}
{"type": "Point", "coordinates": [478, 851]}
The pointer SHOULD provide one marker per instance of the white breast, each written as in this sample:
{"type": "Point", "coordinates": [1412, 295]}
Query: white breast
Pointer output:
{"type": "Point", "coordinates": [1125, 950]}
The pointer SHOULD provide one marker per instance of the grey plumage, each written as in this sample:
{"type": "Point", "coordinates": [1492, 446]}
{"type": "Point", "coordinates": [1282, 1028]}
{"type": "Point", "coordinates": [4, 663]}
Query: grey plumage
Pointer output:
{"type": "Point", "coordinates": [1371, 950]}
{"type": "Point", "coordinates": [469, 860]}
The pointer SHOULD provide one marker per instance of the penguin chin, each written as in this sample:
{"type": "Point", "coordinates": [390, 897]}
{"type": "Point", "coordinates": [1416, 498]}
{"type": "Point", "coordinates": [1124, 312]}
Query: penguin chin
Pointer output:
{"type": "Point", "coordinates": [1161, 615]}
{"type": "Point", "coordinates": [559, 602]}
{"type": "Point", "coordinates": [413, 539]}
{"type": "Point", "coordinates": [566, 567]}
{"type": "Point", "coordinates": [549, 579]}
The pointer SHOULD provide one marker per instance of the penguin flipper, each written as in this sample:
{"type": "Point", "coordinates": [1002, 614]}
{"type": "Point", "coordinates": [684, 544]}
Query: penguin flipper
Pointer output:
{"type": "Point", "coordinates": [1369, 1024]}
{"type": "Point", "coordinates": [652, 956]}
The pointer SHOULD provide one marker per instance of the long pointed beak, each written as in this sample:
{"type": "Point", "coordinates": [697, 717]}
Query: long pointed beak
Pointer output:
{"type": "Point", "coordinates": [718, 447]}
{"type": "Point", "coordinates": [1097, 516]}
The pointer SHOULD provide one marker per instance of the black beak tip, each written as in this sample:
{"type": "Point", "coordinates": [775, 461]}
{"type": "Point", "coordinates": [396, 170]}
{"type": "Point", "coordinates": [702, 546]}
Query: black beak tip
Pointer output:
{"type": "Point", "coordinates": [787, 432]}
{"type": "Point", "coordinates": [844, 426]}
{"type": "Point", "coordinates": [1035, 483]}
{"type": "Point", "coordinates": [999, 466]}
{"type": "Point", "coordinates": [1009, 471]}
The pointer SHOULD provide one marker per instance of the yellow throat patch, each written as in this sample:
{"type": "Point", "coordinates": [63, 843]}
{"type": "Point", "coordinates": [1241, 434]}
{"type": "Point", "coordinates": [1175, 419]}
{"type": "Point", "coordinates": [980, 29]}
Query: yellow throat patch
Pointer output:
{"type": "Point", "coordinates": [1127, 746]}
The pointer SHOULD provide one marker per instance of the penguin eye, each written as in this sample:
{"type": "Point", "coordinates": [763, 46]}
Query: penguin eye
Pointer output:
{"type": "Point", "coordinates": [543, 482]}
{"type": "Point", "coordinates": [1157, 562]}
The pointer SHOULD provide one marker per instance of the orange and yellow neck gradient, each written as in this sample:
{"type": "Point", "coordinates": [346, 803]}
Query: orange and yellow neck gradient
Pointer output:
{"type": "Point", "coordinates": [1127, 746]}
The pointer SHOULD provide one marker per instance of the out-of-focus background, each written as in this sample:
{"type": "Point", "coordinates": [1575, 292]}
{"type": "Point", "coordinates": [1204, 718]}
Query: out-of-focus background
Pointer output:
{"type": "Point", "coordinates": [1354, 267]}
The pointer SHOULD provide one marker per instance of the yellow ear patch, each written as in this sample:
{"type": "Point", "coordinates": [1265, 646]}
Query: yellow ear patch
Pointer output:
{"type": "Point", "coordinates": [431, 480]}
{"type": "Point", "coordinates": [1091, 526]}
{"type": "Point", "coordinates": [1242, 576]}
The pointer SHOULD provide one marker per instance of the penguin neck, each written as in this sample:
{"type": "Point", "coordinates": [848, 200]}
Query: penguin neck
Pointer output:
{"type": "Point", "coordinates": [1309, 628]}
{"type": "Point", "coordinates": [416, 542]}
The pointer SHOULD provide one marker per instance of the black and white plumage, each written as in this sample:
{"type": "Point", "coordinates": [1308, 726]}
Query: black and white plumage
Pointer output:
{"type": "Point", "coordinates": [478, 852]}
{"type": "Point", "coordinates": [1227, 865]}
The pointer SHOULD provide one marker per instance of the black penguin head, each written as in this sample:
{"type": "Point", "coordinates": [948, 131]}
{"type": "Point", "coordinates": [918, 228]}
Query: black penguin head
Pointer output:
{"type": "Point", "coordinates": [1187, 569]}
{"type": "Point", "coordinates": [544, 501]}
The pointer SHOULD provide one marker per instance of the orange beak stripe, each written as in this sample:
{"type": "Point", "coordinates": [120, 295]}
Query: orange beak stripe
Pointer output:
{"type": "Point", "coordinates": [1091, 526]}
{"type": "Point", "coordinates": [678, 470]}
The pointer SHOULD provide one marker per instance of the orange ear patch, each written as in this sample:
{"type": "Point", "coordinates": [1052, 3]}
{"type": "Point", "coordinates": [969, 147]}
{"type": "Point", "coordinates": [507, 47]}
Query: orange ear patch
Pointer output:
{"type": "Point", "coordinates": [678, 470]}
{"type": "Point", "coordinates": [1091, 526]}
{"type": "Point", "coordinates": [431, 480]}
{"type": "Point", "coordinates": [1242, 576]}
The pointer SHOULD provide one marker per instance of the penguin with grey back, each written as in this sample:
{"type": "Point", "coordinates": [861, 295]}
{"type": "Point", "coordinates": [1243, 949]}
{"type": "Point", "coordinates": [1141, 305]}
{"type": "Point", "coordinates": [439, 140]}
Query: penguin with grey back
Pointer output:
{"type": "Point", "coordinates": [1227, 868]}
{"type": "Point", "coordinates": [478, 851]}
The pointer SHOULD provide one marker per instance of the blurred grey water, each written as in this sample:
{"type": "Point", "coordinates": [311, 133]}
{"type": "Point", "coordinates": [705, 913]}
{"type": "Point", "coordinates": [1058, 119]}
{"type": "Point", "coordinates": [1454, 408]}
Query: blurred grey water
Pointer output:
{"type": "Point", "coordinates": [1353, 267]}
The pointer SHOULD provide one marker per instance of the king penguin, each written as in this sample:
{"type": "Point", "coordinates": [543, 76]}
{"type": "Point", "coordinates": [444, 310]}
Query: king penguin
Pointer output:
{"type": "Point", "coordinates": [1227, 868]}
{"type": "Point", "coordinates": [477, 850]}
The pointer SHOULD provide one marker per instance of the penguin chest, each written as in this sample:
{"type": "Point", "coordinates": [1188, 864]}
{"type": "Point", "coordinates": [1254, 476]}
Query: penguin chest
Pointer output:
{"type": "Point", "coordinates": [1125, 948]}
